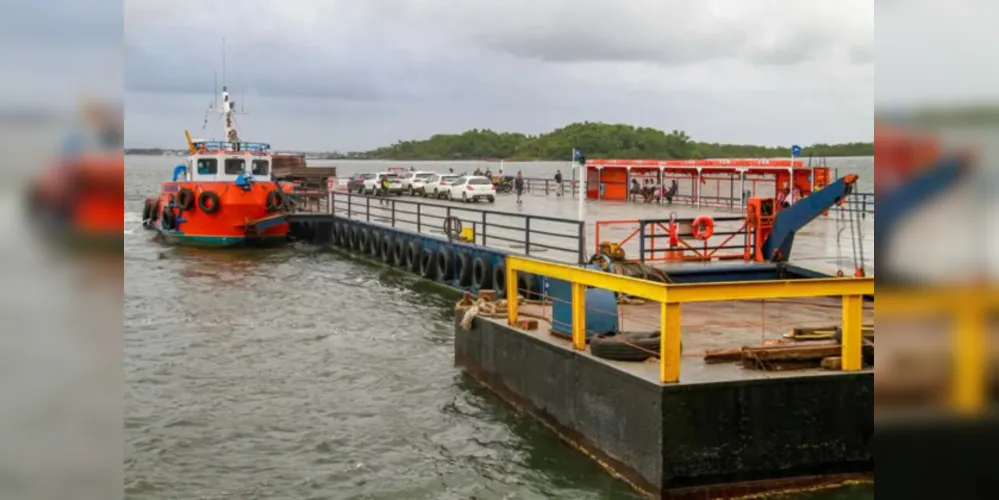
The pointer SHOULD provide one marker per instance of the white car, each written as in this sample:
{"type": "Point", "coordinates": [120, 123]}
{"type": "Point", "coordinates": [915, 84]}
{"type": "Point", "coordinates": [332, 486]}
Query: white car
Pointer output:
{"type": "Point", "coordinates": [373, 184]}
{"type": "Point", "coordinates": [437, 185]}
{"type": "Point", "coordinates": [415, 182]}
{"type": "Point", "coordinates": [472, 188]}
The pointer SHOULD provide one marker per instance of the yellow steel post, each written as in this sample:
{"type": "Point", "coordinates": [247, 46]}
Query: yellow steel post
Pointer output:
{"type": "Point", "coordinates": [579, 316]}
{"type": "Point", "coordinates": [969, 359]}
{"type": "Point", "coordinates": [669, 342]}
{"type": "Point", "coordinates": [511, 291]}
{"type": "Point", "coordinates": [852, 339]}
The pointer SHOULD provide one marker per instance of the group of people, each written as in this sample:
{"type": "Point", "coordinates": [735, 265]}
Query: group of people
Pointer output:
{"type": "Point", "coordinates": [650, 191]}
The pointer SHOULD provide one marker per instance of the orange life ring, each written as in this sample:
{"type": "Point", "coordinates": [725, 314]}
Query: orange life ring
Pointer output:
{"type": "Point", "coordinates": [703, 227]}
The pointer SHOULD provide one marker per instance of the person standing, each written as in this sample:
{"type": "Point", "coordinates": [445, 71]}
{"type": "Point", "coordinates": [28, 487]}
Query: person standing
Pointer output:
{"type": "Point", "coordinates": [518, 186]}
{"type": "Point", "coordinates": [558, 183]}
{"type": "Point", "coordinates": [385, 190]}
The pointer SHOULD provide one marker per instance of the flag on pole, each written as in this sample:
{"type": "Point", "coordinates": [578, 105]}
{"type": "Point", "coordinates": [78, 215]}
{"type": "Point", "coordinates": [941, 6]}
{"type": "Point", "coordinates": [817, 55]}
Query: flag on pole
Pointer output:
{"type": "Point", "coordinates": [576, 154]}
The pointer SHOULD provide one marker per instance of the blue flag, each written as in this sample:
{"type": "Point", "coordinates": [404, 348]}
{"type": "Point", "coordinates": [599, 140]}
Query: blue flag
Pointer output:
{"type": "Point", "coordinates": [576, 154]}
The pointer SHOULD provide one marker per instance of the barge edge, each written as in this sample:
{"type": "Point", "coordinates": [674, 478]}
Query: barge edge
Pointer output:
{"type": "Point", "coordinates": [623, 429]}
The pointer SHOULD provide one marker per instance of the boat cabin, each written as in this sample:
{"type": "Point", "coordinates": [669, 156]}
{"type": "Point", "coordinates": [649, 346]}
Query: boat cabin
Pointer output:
{"type": "Point", "coordinates": [225, 161]}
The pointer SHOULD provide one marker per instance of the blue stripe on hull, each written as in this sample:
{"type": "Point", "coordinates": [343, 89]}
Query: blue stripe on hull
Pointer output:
{"type": "Point", "coordinates": [218, 241]}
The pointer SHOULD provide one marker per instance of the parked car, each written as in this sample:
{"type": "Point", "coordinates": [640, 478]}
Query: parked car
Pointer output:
{"type": "Point", "coordinates": [415, 182]}
{"type": "Point", "coordinates": [437, 185]}
{"type": "Point", "coordinates": [472, 188]}
{"type": "Point", "coordinates": [372, 185]}
{"type": "Point", "coordinates": [355, 184]}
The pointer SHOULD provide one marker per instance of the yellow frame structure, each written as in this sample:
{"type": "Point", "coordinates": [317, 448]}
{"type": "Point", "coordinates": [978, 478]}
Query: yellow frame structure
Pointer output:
{"type": "Point", "coordinates": [968, 307]}
{"type": "Point", "coordinates": [671, 297]}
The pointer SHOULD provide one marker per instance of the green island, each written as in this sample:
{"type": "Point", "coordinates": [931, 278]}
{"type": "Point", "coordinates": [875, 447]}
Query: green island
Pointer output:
{"type": "Point", "coordinates": [595, 140]}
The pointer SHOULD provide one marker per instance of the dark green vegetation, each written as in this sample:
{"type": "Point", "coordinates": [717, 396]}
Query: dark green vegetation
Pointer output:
{"type": "Point", "coordinates": [595, 140]}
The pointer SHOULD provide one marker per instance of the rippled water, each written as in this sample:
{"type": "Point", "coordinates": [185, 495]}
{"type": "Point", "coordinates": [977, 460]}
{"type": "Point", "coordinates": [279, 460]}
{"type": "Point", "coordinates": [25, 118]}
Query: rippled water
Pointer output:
{"type": "Point", "coordinates": [295, 373]}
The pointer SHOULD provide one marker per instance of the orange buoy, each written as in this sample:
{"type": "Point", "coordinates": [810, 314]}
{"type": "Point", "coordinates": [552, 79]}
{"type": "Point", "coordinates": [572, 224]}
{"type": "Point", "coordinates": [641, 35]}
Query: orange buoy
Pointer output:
{"type": "Point", "coordinates": [703, 227]}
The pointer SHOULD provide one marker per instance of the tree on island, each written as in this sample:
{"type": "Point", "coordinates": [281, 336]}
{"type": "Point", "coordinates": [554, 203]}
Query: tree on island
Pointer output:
{"type": "Point", "coordinates": [597, 140]}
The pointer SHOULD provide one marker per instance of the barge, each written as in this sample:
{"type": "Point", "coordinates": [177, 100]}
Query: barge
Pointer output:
{"type": "Point", "coordinates": [574, 336]}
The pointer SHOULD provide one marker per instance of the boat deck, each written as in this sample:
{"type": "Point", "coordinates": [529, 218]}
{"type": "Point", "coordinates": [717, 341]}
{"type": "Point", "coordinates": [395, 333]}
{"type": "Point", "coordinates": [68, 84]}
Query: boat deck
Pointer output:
{"type": "Point", "coordinates": [711, 326]}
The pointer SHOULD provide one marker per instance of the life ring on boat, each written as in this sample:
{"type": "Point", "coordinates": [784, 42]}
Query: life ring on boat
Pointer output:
{"type": "Point", "coordinates": [464, 269]}
{"type": "Point", "coordinates": [386, 250]}
{"type": "Point", "coordinates": [413, 256]}
{"type": "Point", "coordinates": [482, 276]}
{"type": "Point", "coordinates": [428, 264]}
{"type": "Point", "coordinates": [703, 227]}
{"type": "Point", "coordinates": [398, 253]}
{"type": "Point", "coordinates": [185, 199]}
{"type": "Point", "coordinates": [208, 202]}
{"type": "Point", "coordinates": [445, 264]}
{"type": "Point", "coordinates": [275, 199]}
{"type": "Point", "coordinates": [499, 280]}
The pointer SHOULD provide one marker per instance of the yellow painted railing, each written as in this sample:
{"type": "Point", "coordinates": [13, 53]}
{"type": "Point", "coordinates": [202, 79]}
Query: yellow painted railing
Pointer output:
{"type": "Point", "coordinates": [967, 308]}
{"type": "Point", "coordinates": [670, 298]}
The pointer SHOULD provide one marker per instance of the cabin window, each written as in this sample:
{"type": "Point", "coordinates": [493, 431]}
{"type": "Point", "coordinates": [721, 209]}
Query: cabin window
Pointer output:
{"type": "Point", "coordinates": [233, 166]}
{"type": "Point", "coordinates": [208, 166]}
{"type": "Point", "coordinates": [261, 167]}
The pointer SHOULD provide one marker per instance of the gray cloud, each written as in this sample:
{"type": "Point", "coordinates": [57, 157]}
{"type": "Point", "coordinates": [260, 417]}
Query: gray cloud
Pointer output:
{"type": "Point", "coordinates": [346, 75]}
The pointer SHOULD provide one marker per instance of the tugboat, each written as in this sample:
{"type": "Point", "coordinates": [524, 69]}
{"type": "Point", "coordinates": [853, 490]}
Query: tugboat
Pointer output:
{"type": "Point", "coordinates": [223, 196]}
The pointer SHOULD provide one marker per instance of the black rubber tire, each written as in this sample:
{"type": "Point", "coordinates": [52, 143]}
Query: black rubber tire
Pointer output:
{"type": "Point", "coordinates": [385, 251]}
{"type": "Point", "coordinates": [345, 235]}
{"type": "Point", "coordinates": [627, 346]}
{"type": "Point", "coordinates": [274, 201]}
{"type": "Point", "coordinates": [428, 264]}
{"type": "Point", "coordinates": [398, 253]}
{"type": "Point", "coordinates": [527, 286]}
{"type": "Point", "coordinates": [185, 199]}
{"type": "Point", "coordinates": [499, 279]}
{"type": "Point", "coordinates": [413, 256]}
{"type": "Point", "coordinates": [351, 237]}
{"type": "Point", "coordinates": [168, 219]}
{"type": "Point", "coordinates": [337, 234]}
{"type": "Point", "coordinates": [334, 233]}
{"type": "Point", "coordinates": [464, 269]}
{"type": "Point", "coordinates": [363, 237]}
{"type": "Point", "coordinates": [147, 211]}
{"type": "Point", "coordinates": [375, 245]}
{"type": "Point", "coordinates": [208, 202]}
{"type": "Point", "coordinates": [445, 264]}
{"type": "Point", "coordinates": [482, 274]}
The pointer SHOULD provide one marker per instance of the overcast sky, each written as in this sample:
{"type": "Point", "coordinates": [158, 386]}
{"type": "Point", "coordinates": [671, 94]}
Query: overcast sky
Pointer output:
{"type": "Point", "coordinates": [348, 75]}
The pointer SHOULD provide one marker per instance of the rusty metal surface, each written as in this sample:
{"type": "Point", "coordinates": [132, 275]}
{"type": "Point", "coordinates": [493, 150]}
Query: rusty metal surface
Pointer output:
{"type": "Point", "coordinates": [713, 325]}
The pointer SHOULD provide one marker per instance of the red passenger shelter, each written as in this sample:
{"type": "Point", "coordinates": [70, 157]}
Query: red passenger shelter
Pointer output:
{"type": "Point", "coordinates": [610, 179]}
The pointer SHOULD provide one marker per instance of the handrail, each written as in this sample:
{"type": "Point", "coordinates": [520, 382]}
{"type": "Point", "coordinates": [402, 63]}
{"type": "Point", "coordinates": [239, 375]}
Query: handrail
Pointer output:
{"type": "Point", "coordinates": [969, 308]}
{"type": "Point", "coordinates": [536, 233]}
{"type": "Point", "coordinates": [671, 297]}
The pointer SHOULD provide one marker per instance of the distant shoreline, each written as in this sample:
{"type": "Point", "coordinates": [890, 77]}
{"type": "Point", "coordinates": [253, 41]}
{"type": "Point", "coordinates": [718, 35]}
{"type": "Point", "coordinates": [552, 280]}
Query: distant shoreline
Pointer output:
{"type": "Point", "coordinates": [591, 139]}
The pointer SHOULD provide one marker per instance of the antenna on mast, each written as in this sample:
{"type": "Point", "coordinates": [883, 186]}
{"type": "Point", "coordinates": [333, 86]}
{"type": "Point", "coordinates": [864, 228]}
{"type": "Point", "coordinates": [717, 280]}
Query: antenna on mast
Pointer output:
{"type": "Point", "coordinates": [223, 61]}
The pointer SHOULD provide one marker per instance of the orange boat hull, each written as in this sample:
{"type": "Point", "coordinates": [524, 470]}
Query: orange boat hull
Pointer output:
{"type": "Point", "coordinates": [242, 216]}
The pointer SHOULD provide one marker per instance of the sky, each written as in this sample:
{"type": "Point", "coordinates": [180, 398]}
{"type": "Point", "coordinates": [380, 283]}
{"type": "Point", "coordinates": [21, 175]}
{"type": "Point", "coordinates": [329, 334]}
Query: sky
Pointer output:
{"type": "Point", "coordinates": [353, 75]}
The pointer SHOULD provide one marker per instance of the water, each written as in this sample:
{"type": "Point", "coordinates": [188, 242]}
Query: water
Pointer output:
{"type": "Point", "coordinates": [293, 373]}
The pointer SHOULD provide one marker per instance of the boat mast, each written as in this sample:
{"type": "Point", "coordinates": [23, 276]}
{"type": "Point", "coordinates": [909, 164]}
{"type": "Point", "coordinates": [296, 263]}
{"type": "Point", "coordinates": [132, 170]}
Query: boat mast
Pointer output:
{"type": "Point", "coordinates": [228, 108]}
